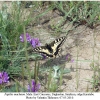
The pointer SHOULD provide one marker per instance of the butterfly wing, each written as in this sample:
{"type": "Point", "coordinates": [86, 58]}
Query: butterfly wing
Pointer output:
{"type": "Point", "coordinates": [56, 45]}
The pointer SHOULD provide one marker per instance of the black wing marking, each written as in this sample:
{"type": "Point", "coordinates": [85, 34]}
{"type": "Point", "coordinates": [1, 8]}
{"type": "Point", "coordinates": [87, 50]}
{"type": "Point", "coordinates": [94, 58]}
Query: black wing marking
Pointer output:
{"type": "Point", "coordinates": [52, 49]}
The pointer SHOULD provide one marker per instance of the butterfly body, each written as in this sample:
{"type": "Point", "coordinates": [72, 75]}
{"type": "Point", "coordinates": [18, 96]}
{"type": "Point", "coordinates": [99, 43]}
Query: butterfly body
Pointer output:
{"type": "Point", "coordinates": [52, 49]}
{"type": "Point", "coordinates": [49, 48]}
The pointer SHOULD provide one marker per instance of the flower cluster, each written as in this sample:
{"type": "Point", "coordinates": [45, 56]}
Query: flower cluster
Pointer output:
{"type": "Point", "coordinates": [33, 41]}
{"type": "Point", "coordinates": [69, 57]}
{"type": "Point", "coordinates": [4, 78]}
{"type": "Point", "coordinates": [35, 87]}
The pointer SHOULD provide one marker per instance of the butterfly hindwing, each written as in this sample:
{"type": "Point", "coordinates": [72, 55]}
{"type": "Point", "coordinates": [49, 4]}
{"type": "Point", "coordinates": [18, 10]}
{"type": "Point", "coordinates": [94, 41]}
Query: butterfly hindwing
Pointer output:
{"type": "Point", "coordinates": [52, 49]}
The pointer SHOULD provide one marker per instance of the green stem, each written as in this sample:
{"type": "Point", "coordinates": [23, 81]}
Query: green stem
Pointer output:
{"type": "Point", "coordinates": [26, 55]}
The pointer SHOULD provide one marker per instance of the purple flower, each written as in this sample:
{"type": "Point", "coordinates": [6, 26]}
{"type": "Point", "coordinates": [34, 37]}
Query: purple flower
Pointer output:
{"type": "Point", "coordinates": [35, 42]}
{"type": "Point", "coordinates": [35, 87]}
{"type": "Point", "coordinates": [69, 57]}
{"type": "Point", "coordinates": [28, 37]}
{"type": "Point", "coordinates": [4, 78]}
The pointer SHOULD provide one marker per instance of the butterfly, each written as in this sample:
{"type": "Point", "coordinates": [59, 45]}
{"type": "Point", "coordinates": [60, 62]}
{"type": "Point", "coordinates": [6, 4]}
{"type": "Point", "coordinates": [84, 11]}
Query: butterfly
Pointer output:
{"type": "Point", "coordinates": [52, 49]}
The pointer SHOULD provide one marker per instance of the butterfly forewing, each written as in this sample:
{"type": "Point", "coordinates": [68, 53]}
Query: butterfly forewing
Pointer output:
{"type": "Point", "coordinates": [55, 45]}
